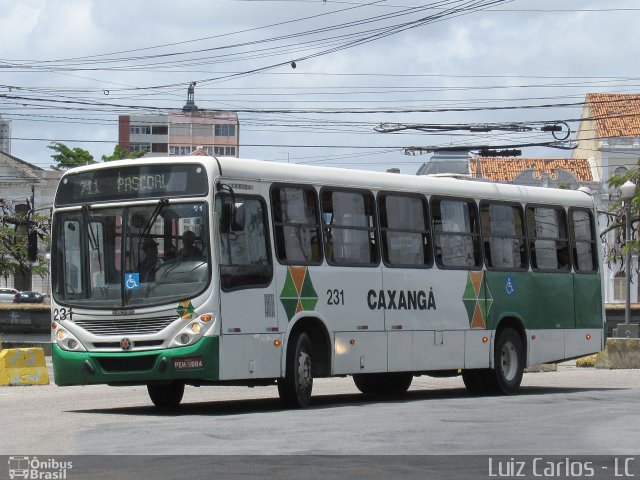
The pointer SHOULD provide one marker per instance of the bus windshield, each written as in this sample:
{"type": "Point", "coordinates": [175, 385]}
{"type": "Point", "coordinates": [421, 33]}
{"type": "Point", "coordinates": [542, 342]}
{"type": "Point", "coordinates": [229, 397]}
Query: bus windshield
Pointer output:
{"type": "Point", "coordinates": [130, 256]}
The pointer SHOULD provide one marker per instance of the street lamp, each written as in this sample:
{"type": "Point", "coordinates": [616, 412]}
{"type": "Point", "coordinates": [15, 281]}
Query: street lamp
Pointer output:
{"type": "Point", "coordinates": [627, 192]}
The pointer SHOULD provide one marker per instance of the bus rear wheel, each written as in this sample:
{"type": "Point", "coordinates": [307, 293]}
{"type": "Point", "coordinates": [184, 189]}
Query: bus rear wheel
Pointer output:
{"type": "Point", "coordinates": [383, 383]}
{"type": "Point", "coordinates": [508, 361]}
{"type": "Point", "coordinates": [166, 395]}
{"type": "Point", "coordinates": [295, 388]}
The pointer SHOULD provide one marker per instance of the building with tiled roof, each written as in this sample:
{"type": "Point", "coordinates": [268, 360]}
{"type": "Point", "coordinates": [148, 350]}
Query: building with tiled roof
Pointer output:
{"type": "Point", "coordinates": [615, 114]}
{"type": "Point", "coordinates": [609, 133]}
{"type": "Point", "coordinates": [533, 171]}
{"type": "Point", "coordinates": [609, 136]}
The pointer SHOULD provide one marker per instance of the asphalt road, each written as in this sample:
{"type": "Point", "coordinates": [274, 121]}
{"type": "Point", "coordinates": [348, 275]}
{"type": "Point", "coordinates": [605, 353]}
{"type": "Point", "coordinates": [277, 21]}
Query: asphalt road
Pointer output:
{"type": "Point", "coordinates": [577, 411]}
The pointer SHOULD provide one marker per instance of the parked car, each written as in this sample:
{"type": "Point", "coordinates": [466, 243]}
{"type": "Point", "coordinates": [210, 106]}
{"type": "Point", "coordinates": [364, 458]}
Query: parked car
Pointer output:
{"type": "Point", "coordinates": [7, 294]}
{"type": "Point", "coordinates": [28, 297]}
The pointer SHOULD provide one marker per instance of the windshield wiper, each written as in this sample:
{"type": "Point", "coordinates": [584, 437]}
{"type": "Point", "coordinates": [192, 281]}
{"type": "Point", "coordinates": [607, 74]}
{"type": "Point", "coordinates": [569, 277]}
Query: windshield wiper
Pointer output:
{"type": "Point", "coordinates": [163, 202]}
{"type": "Point", "coordinates": [86, 219]}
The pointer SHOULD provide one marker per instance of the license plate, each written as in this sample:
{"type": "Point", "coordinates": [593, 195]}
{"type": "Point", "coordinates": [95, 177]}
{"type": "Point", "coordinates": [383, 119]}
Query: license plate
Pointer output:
{"type": "Point", "coordinates": [186, 363]}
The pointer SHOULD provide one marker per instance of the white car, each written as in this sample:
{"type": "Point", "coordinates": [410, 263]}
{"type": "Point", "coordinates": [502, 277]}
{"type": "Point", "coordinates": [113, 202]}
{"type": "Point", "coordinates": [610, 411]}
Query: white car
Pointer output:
{"type": "Point", "coordinates": [7, 294]}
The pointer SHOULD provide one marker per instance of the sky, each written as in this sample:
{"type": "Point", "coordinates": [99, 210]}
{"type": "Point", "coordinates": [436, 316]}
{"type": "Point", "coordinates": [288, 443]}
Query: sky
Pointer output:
{"type": "Point", "coordinates": [68, 68]}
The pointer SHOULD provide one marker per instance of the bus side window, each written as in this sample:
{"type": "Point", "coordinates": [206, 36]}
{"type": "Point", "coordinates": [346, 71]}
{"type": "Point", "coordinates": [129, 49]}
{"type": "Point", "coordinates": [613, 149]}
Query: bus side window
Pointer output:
{"type": "Point", "coordinates": [583, 241]}
{"type": "Point", "coordinates": [548, 239]}
{"type": "Point", "coordinates": [404, 224]}
{"type": "Point", "coordinates": [503, 236]}
{"type": "Point", "coordinates": [456, 235]}
{"type": "Point", "coordinates": [296, 225]}
{"type": "Point", "coordinates": [350, 235]}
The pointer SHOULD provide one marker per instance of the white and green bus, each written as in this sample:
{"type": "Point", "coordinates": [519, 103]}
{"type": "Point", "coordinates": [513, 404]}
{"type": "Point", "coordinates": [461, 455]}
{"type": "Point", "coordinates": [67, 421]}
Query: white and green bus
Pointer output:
{"type": "Point", "coordinates": [221, 271]}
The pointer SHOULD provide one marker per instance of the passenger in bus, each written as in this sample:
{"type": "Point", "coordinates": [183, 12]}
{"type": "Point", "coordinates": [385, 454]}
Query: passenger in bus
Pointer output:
{"type": "Point", "coordinates": [147, 267]}
{"type": "Point", "coordinates": [189, 248]}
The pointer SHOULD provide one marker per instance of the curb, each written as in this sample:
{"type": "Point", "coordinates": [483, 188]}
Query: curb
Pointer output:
{"type": "Point", "coordinates": [23, 366]}
{"type": "Point", "coordinates": [620, 353]}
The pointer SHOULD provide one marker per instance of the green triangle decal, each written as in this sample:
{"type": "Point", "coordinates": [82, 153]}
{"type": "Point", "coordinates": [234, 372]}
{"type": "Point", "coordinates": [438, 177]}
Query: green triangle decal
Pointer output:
{"type": "Point", "coordinates": [307, 288]}
{"type": "Point", "coordinates": [470, 305]}
{"type": "Point", "coordinates": [469, 291]}
{"type": "Point", "coordinates": [308, 303]}
{"type": "Point", "coordinates": [289, 288]}
{"type": "Point", "coordinates": [290, 305]}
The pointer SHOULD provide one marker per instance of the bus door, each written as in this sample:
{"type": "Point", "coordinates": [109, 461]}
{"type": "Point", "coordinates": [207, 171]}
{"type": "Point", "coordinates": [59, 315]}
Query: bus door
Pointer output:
{"type": "Point", "coordinates": [548, 295]}
{"type": "Point", "coordinates": [349, 280]}
{"type": "Point", "coordinates": [423, 310]}
{"type": "Point", "coordinates": [586, 281]}
{"type": "Point", "coordinates": [247, 298]}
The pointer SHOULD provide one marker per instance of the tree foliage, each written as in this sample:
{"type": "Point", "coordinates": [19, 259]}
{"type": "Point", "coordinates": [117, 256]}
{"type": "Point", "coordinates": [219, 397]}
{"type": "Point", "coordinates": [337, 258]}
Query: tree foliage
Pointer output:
{"type": "Point", "coordinates": [68, 158]}
{"type": "Point", "coordinates": [14, 243]}
{"type": "Point", "coordinates": [121, 154]}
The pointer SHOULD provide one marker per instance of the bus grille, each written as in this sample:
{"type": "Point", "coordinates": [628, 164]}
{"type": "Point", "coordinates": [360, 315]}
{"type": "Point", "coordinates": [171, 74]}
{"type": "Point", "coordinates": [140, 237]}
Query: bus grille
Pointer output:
{"type": "Point", "coordinates": [125, 326]}
{"type": "Point", "coordinates": [127, 364]}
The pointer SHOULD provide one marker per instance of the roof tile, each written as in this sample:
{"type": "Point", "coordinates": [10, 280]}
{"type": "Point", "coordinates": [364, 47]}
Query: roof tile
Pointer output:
{"type": "Point", "coordinates": [499, 169]}
{"type": "Point", "coordinates": [615, 114]}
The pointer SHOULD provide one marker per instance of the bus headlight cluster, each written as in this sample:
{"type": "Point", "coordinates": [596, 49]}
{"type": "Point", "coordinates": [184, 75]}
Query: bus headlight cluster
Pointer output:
{"type": "Point", "coordinates": [192, 331]}
{"type": "Point", "coordinates": [67, 340]}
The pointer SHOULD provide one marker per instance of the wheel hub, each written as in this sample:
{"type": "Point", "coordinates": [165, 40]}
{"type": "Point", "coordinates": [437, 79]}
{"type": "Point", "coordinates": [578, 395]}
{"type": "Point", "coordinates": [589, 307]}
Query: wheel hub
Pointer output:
{"type": "Point", "coordinates": [509, 361]}
{"type": "Point", "coordinates": [304, 371]}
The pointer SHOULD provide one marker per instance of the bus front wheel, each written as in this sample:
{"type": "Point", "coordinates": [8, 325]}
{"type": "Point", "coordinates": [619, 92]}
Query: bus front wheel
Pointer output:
{"type": "Point", "coordinates": [295, 388]}
{"type": "Point", "coordinates": [166, 395]}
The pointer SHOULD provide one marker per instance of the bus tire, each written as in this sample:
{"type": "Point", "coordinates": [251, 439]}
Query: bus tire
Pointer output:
{"type": "Point", "coordinates": [295, 388]}
{"type": "Point", "coordinates": [166, 395]}
{"type": "Point", "coordinates": [508, 363]}
{"type": "Point", "coordinates": [383, 383]}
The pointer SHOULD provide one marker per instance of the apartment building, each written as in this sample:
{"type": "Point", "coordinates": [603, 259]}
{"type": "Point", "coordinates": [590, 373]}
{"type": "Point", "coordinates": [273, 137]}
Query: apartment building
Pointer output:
{"type": "Point", "coordinates": [181, 132]}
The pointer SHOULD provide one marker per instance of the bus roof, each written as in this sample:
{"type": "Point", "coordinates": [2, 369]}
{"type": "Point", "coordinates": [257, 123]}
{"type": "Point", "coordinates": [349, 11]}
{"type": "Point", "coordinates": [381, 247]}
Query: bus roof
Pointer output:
{"type": "Point", "coordinates": [248, 169]}
{"type": "Point", "coordinates": [341, 177]}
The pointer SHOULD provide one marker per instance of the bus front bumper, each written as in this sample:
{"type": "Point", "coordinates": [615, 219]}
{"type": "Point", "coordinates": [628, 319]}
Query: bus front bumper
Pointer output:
{"type": "Point", "coordinates": [197, 362]}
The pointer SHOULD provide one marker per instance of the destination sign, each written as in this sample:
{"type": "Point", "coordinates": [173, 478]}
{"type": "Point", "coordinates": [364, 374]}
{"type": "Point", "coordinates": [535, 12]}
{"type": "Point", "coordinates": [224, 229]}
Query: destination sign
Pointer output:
{"type": "Point", "coordinates": [148, 183]}
{"type": "Point", "coordinates": [135, 182]}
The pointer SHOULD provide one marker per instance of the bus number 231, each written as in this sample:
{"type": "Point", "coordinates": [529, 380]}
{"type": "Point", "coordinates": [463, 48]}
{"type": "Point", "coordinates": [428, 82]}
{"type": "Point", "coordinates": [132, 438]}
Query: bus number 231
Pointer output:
{"type": "Point", "coordinates": [335, 297]}
{"type": "Point", "coordinates": [60, 314]}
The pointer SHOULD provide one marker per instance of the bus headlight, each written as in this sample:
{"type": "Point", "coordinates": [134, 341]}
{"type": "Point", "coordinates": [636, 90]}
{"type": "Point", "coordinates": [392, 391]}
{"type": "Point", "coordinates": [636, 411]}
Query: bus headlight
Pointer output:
{"type": "Point", "coordinates": [68, 341]}
{"type": "Point", "coordinates": [193, 331]}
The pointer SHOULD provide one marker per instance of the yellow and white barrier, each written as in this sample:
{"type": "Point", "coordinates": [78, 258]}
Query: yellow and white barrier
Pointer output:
{"type": "Point", "coordinates": [23, 366]}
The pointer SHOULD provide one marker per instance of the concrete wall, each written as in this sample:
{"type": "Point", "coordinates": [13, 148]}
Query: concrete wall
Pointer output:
{"type": "Point", "coordinates": [23, 319]}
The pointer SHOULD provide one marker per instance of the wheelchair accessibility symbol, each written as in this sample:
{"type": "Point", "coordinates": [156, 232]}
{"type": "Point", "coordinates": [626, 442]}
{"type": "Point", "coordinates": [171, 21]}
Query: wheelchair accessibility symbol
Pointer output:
{"type": "Point", "coordinates": [510, 286]}
{"type": "Point", "coordinates": [132, 281]}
